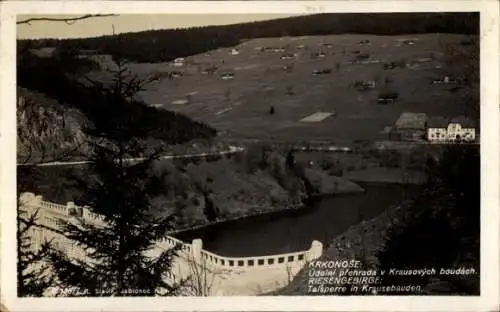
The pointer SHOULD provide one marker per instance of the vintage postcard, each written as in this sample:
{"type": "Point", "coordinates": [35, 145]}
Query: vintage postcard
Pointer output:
{"type": "Point", "coordinates": [250, 156]}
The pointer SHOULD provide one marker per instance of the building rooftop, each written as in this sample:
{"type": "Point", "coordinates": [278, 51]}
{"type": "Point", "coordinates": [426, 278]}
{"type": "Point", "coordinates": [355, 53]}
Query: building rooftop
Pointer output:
{"type": "Point", "coordinates": [437, 122]}
{"type": "Point", "coordinates": [411, 121]}
{"type": "Point", "coordinates": [464, 121]}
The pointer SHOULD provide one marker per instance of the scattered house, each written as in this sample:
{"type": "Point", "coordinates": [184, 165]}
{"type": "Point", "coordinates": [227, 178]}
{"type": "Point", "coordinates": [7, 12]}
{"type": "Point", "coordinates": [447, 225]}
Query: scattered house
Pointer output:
{"type": "Point", "coordinates": [301, 46]}
{"type": "Point", "coordinates": [274, 49]}
{"type": "Point", "coordinates": [44, 52]}
{"type": "Point", "coordinates": [365, 42]}
{"type": "Point", "coordinates": [174, 75]}
{"type": "Point", "coordinates": [362, 57]}
{"type": "Point", "coordinates": [234, 52]}
{"type": "Point", "coordinates": [287, 68]}
{"type": "Point", "coordinates": [318, 54]}
{"type": "Point", "coordinates": [364, 85]}
{"type": "Point", "coordinates": [390, 65]}
{"type": "Point", "coordinates": [409, 42]}
{"type": "Point", "coordinates": [412, 65]}
{"type": "Point", "coordinates": [409, 127]}
{"type": "Point", "coordinates": [355, 52]}
{"type": "Point", "coordinates": [321, 71]}
{"type": "Point", "coordinates": [178, 62]}
{"type": "Point", "coordinates": [210, 70]}
{"type": "Point", "coordinates": [444, 80]}
{"type": "Point", "coordinates": [288, 56]}
{"type": "Point", "coordinates": [387, 97]}
{"type": "Point", "coordinates": [327, 45]}
{"type": "Point", "coordinates": [227, 76]}
{"type": "Point", "coordinates": [374, 61]}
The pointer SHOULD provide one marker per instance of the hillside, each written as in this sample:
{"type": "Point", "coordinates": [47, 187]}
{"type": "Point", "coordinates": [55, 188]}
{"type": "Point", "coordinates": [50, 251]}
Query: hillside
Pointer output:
{"type": "Point", "coordinates": [164, 45]}
{"type": "Point", "coordinates": [52, 85]}
{"type": "Point", "coordinates": [237, 186]}
{"type": "Point", "coordinates": [240, 107]}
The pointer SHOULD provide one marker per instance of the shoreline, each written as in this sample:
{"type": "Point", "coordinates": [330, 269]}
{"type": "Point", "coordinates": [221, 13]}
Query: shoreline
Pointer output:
{"type": "Point", "coordinates": [303, 208]}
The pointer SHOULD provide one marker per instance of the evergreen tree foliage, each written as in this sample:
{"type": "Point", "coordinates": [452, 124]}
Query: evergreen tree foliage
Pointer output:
{"type": "Point", "coordinates": [117, 262]}
{"type": "Point", "coordinates": [442, 226]}
{"type": "Point", "coordinates": [33, 276]}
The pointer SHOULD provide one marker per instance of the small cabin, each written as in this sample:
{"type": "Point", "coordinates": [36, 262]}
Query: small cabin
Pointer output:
{"type": "Point", "coordinates": [322, 71]}
{"type": "Point", "coordinates": [409, 42]}
{"type": "Point", "coordinates": [364, 85]}
{"type": "Point", "coordinates": [178, 62]}
{"type": "Point", "coordinates": [174, 75]}
{"type": "Point", "coordinates": [444, 80]}
{"type": "Point", "coordinates": [390, 65]}
{"type": "Point", "coordinates": [387, 97]}
{"type": "Point", "coordinates": [227, 76]}
{"type": "Point", "coordinates": [319, 54]}
{"type": "Point", "coordinates": [288, 56]}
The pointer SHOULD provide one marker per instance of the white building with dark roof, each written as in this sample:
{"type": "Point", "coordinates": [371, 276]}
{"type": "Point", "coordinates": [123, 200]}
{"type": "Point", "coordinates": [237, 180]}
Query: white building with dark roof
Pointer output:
{"type": "Point", "coordinates": [179, 62]}
{"type": "Point", "coordinates": [460, 128]}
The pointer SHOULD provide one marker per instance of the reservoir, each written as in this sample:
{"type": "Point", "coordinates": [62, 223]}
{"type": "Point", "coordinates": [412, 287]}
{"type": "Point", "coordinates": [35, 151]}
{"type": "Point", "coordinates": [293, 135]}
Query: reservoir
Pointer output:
{"type": "Point", "coordinates": [290, 231]}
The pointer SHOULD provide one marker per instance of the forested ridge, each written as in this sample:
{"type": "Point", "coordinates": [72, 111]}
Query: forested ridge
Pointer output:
{"type": "Point", "coordinates": [167, 44]}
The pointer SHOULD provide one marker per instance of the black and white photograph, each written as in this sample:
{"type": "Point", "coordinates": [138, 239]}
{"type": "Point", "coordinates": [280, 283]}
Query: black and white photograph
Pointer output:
{"type": "Point", "coordinates": [305, 154]}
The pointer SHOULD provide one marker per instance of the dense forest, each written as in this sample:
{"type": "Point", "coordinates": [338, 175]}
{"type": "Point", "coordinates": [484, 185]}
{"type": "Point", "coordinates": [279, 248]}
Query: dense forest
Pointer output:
{"type": "Point", "coordinates": [165, 45]}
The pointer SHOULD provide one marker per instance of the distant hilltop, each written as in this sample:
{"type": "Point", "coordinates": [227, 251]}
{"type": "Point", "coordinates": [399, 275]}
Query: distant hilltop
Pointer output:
{"type": "Point", "coordinates": [169, 44]}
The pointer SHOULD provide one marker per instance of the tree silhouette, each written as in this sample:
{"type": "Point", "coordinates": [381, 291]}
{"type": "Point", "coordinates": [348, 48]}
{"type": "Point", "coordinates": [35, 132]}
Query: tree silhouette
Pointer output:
{"type": "Point", "coordinates": [120, 192]}
{"type": "Point", "coordinates": [33, 277]}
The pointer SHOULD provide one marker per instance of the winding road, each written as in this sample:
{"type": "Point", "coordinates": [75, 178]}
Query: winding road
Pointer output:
{"type": "Point", "coordinates": [231, 150]}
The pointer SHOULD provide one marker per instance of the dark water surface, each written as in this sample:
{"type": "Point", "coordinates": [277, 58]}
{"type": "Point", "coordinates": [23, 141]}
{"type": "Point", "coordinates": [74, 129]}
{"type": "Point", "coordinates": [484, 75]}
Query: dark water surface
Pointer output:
{"type": "Point", "coordinates": [290, 231]}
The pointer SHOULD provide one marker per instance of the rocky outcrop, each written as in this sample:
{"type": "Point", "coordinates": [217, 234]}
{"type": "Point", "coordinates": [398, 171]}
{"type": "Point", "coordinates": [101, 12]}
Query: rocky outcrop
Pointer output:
{"type": "Point", "coordinates": [46, 130]}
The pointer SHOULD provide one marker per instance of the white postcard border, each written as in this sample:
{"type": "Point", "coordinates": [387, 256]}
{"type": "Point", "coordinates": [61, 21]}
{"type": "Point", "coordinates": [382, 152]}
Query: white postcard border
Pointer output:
{"type": "Point", "coordinates": [489, 160]}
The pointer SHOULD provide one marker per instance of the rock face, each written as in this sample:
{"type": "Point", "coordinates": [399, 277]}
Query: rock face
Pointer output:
{"type": "Point", "coordinates": [45, 128]}
{"type": "Point", "coordinates": [329, 185]}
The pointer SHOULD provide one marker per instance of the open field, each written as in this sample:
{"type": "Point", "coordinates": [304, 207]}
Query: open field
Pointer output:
{"type": "Point", "coordinates": [239, 107]}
